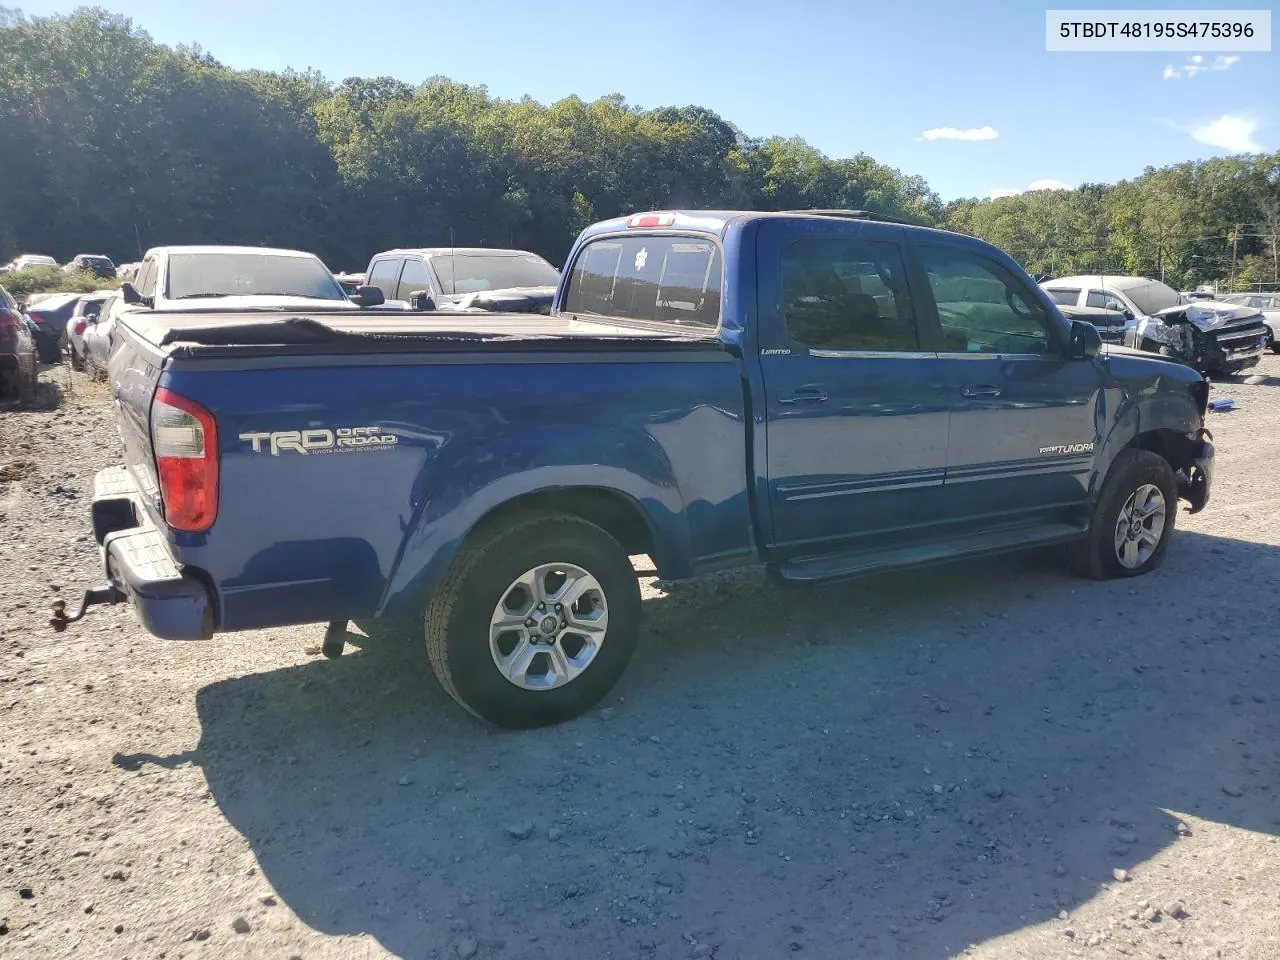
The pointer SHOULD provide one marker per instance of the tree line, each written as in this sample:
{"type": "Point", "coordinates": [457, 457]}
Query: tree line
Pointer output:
{"type": "Point", "coordinates": [114, 143]}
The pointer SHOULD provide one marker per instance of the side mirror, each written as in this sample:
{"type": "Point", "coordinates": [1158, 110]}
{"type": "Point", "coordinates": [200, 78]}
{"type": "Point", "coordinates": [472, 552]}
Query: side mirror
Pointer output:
{"type": "Point", "coordinates": [368, 297]}
{"type": "Point", "coordinates": [421, 300]}
{"type": "Point", "coordinates": [1086, 342]}
{"type": "Point", "coordinates": [129, 293]}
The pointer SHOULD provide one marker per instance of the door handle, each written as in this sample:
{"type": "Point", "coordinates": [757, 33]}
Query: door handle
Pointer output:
{"type": "Point", "coordinates": [811, 393]}
{"type": "Point", "coordinates": [980, 390]}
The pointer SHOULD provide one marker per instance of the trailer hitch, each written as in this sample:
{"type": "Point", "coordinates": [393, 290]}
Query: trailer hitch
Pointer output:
{"type": "Point", "coordinates": [59, 618]}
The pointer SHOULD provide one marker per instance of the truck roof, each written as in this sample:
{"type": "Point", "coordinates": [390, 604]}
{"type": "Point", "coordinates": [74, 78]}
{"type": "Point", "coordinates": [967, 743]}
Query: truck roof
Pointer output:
{"type": "Point", "coordinates": [460, 251]}
{"type": "Point", "coordinates": [216, 248]}
{"type": "Point", "coordinates": [718, 221]}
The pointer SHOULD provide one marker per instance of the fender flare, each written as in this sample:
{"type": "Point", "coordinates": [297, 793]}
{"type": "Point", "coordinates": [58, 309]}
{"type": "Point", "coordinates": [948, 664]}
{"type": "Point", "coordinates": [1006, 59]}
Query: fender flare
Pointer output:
{"type": "Point", "coordinates": [453, 498]}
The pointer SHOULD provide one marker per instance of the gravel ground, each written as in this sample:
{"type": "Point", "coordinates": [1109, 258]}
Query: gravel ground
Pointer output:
{"type": "Point", "coordinates": [989, 757]}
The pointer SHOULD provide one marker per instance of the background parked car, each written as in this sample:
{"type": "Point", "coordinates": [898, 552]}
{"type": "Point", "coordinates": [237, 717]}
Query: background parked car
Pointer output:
{"type": "Point", "coordinates": [85, 314]}
{"type": "Point", "coordinates": [28, 260]}
{"type": "Point", "coordinates": [98, 340]}
{"type": "Point", "coordinates": [95, 263]}
{"type": "Point", "coordinates": [17, 352]}
{"type": "Point", "coordinates": [514, 281]}
{"type": "Point", "coordinates": [1215, 338]}
{"type": "Point", "coordinates": [1269, 304]}
{"type": "Point", "coordinates": [235, 278]}
{"type": "Point", "coordinates": [350, 281]}
{"type": "Point", "coordinates": [51, 314]}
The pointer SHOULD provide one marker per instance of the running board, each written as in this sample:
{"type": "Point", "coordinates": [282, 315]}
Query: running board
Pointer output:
{"type": "Point", "coordinates": [848, 565]}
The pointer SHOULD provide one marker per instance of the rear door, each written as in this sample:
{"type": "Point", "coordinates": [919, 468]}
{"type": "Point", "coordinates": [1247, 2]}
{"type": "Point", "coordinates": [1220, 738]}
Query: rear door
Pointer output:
{"type": "Point", "coordinates": [856, 418]}
{"type": "Point", "coordinates": [1024, 417]}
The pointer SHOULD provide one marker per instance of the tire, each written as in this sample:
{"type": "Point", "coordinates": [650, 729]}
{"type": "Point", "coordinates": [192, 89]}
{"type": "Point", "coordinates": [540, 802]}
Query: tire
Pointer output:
{"type": "Point", "coordinates": [1272, 345]}
{"type": "Point", "coordinates": [464, 645]}
{"type": "Point", "coordinates": [1134, 473]}
{"type": "Point", "coordinates": [77, 359]}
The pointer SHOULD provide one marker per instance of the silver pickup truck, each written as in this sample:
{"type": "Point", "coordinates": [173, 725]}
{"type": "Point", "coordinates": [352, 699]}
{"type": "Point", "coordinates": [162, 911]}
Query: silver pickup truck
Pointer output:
{"type": "Point", "coordinates": [1214, 337]}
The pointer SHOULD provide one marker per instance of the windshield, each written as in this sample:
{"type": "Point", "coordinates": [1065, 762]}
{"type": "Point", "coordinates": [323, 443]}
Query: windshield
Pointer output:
{"type": "Point", "coordinates": [193, 275]}
{"type": "Point", "coordinates": [472, 272]}
{"type": "Point", "coordinates": [1154, 296]}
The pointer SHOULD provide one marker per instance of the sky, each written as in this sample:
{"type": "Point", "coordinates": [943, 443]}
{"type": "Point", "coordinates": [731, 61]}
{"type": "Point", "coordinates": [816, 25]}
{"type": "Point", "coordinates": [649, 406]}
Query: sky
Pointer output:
{"type": "Point", "coordinates": [963, 94]}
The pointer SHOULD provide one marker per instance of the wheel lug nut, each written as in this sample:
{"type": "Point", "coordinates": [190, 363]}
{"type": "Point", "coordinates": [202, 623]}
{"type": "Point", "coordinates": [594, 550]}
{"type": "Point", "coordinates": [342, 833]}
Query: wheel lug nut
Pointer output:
{"type": "Point", "coordinates": [559, 607]}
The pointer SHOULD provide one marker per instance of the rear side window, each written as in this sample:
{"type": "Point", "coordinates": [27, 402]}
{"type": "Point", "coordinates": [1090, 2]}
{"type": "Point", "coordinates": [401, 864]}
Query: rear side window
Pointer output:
{"type": "Point", "coordinates": [1064, 295]}
{"type": "Point", "coordinates": [384, 275]}
{"type": "Point", "coordinates": [667, 279]}
{"type": "Point", "coordinates": [842, 294]}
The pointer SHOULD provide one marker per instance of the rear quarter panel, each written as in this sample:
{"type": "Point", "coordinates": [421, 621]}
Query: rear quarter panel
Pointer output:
{"type": "Point", "coordinates": [304, 537]}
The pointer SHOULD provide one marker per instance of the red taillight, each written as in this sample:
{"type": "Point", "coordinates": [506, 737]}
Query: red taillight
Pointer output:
{"type": "Point", "coordinates": [652, 220]}
{"type": "Point", "coordinates": [80, 325]}
{"type": "Point", "coordinates": [185, 439]}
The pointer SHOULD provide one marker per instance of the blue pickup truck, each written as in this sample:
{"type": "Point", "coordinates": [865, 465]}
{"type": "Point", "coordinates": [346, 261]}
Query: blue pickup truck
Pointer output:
{"type": "Point", "coordinates": [829, 393]}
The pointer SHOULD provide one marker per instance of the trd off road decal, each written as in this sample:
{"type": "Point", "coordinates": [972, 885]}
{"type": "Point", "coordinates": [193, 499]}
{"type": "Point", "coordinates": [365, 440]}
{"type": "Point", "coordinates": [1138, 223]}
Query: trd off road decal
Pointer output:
{"type": "Point", "coordinates": [306, 442]}
{"type": "Point", "coordinates": [1069, 448]}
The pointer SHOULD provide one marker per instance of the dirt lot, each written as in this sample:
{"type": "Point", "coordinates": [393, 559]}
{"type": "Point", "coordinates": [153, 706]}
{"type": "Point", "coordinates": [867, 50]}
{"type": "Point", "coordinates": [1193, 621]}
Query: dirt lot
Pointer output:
{"type": "Point", "coordinates": [990, 757]}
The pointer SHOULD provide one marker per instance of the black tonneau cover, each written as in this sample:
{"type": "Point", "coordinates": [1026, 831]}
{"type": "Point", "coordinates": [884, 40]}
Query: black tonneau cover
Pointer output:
{"type": "Point", "coordinates": [261, 332]}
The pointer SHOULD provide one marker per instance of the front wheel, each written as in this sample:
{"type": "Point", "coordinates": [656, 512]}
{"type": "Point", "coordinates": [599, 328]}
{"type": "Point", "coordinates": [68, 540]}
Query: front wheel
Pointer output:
{"type": "Point", "coordinates": [535, 622]}
{"type": "Point", "coordinates": [1271, 342]}
{"type": "Point", "coordinates": [1133, 520]}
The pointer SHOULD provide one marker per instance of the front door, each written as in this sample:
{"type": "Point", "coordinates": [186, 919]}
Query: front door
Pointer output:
{"type": "Point", "coordinates": [856, 419]}
{"type": "Point", "coordinates": [1025, 417]}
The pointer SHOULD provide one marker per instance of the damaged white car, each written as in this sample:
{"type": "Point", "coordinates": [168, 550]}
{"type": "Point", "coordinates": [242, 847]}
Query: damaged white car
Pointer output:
{"type": "Point", "coordinates": [1214, 337]}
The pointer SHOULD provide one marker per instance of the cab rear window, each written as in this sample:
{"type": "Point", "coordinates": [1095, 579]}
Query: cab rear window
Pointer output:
{"type": "Point", "coordinates": [664, 279]}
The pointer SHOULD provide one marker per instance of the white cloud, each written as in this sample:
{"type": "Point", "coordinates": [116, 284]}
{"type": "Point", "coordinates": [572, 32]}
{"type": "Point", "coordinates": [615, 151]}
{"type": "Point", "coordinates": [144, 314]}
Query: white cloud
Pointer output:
{"type": "Point", "coordinates": [1196, 64]}
{"type": "Point", "coordinates": [1045, 184]}
{"type": "Point", "coordinates": [1231, 132]}
{"type": "Point", "coordinates": [955, 133]}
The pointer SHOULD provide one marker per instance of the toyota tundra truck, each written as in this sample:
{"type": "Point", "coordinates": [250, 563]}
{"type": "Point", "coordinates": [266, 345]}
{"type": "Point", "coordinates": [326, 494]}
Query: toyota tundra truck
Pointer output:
{"type": "Point", "coordinates": [827, 393]}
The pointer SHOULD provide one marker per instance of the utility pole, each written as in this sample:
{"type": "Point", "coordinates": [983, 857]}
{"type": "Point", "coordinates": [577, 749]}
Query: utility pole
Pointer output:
{"type": "Point", "coordinates": [1235, 246]}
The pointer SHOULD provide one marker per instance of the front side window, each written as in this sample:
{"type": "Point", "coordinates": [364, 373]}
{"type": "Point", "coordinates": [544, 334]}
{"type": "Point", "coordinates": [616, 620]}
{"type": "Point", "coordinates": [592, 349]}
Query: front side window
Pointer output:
{"type": "Point", "coordinates": [664, 279]}
{"type": "Point", "coordinates": [840, 294]}
{"type": "Point", "coordinates": [204, 275]}
{"type": "Point", "coordinates": [1107, 301]}
{"type": "Point", "coordinates": [384, 275]}
{"type": "Point", "coordinates": [981, 307]}
{"type": "Point", "coordinates": [413, 278]}
{"type": "Point", "coordinates": [147, 279]}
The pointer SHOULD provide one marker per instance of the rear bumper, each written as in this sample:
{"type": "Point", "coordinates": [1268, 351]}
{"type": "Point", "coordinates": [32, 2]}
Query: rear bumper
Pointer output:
{"type": "Point", "coordinates": [169, 602]}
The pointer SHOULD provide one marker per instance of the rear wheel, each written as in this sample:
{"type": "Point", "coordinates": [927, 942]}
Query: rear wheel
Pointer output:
{"type": "Point", "coordinates": [1133, 520]}
{"type": "Point", "coordinates": [535, 622]}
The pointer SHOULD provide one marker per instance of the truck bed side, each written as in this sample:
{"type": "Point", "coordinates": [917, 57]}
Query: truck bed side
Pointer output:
{"type": "Point", "coordinates": [652, 439]}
